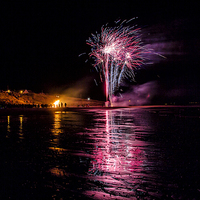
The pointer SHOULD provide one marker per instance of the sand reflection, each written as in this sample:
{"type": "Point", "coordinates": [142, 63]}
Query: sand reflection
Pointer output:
{"type": "Point", "coordinates": [117, 157]}
{"type": "Point", "coordinates": [57, 123]}
{"type": "Point", "coordinates": [15, 124]}
{"type": "Point", "coordinates": [21, 118]}
{"type": "Point", "coordinates": [8, 124]}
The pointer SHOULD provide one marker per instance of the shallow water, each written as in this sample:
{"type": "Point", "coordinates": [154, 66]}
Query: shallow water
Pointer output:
{"type": "Point", "coordinates": [129, 153]}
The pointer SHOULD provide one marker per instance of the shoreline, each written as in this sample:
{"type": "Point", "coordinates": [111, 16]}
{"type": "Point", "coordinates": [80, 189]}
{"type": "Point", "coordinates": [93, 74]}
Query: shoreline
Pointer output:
{"type": "Point", "coordinates": [22, 111]}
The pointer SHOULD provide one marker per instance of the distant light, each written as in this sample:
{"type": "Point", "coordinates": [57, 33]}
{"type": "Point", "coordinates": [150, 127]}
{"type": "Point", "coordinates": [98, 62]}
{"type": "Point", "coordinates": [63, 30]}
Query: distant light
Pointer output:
{"type": "Point", "coordinates": [21, 91]}
{"type": "Point", "coordinates": [88, 98]}
{"type": "Point", "coordinates": [56, 103]}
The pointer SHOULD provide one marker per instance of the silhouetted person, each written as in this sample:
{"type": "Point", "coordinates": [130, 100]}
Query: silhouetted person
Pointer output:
{"type": "Point", "coordinates": [65, 105]}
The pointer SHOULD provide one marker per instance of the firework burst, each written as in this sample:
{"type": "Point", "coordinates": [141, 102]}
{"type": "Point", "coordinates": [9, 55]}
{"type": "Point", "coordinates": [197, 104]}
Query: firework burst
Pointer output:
{"type": "Point", "coordinates": [117, 52]}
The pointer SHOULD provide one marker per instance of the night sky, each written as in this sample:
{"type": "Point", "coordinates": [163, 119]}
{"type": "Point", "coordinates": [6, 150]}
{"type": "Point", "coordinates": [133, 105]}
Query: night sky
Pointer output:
{"type": "Point", "coordinates": [40, 44]}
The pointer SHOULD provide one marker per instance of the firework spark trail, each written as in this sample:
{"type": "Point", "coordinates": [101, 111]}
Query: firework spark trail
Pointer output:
{"type": "Point", "coordinates": [117, 52]}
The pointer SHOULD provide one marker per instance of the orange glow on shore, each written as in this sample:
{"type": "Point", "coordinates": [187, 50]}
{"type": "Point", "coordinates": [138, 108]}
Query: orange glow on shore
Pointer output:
{"type": "Point", "coordinates": [56, 103]}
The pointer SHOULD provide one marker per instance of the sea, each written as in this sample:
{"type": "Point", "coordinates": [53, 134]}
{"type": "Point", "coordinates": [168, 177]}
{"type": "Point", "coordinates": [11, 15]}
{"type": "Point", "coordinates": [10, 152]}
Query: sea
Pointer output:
{"type": "Point", "coordinates": [146, 152]}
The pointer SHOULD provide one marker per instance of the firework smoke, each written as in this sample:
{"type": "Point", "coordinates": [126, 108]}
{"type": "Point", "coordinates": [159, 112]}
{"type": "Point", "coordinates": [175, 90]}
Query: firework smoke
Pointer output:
{"type": "Point", "coordinates": [117, 52]}
{"type": "Point", "coordinates": [137, 95]}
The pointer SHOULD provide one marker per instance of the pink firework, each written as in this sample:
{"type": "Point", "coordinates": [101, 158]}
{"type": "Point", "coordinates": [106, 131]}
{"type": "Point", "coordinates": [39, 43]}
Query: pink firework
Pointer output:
{"type": "Point", "coordinates": [117, 51]}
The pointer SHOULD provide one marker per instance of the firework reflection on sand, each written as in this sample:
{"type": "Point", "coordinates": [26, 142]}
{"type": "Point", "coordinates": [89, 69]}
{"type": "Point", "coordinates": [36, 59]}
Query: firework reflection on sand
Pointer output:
{"type": "Point", "coordinates": [118, 156]}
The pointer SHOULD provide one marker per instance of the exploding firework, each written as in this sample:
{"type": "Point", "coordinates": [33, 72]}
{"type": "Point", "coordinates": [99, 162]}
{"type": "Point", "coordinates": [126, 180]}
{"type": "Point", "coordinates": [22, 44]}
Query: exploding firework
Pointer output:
{"type": "Point", "coordinates": [117, 52]}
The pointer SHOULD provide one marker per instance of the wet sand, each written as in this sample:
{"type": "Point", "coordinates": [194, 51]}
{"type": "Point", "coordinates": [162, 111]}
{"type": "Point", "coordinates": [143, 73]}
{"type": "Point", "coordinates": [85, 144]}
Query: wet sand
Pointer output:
{"type": "Point", "coordinates": [141, 152]}
{"type": "Point", "coordinates": [17, 111]}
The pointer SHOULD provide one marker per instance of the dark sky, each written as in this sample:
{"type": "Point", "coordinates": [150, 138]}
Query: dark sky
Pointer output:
{"type": "Point", "coordinates": [40, 42]}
